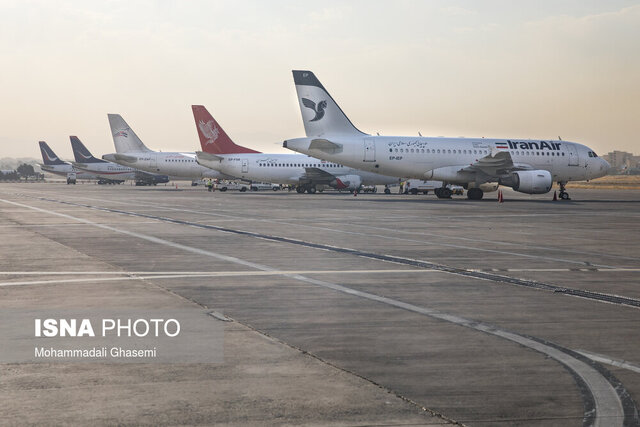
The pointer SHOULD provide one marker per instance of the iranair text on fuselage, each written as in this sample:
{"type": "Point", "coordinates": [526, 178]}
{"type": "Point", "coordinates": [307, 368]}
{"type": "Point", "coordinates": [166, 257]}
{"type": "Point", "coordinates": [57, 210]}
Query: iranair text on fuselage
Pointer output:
{"type": "Point", "coordinates": [533, 145]}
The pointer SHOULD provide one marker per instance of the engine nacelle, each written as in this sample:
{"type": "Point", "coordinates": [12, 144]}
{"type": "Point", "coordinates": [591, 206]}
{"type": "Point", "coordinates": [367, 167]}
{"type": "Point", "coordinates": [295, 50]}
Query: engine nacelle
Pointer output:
{"type": "Point", "coordinates": [529, 182]}
{"type": "Point", "coordinates": [347, 182]}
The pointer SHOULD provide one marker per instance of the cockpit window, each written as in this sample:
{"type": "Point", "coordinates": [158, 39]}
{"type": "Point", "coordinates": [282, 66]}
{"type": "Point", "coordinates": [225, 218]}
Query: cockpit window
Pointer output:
{"type": "Point", "coordinates": [590, 153]}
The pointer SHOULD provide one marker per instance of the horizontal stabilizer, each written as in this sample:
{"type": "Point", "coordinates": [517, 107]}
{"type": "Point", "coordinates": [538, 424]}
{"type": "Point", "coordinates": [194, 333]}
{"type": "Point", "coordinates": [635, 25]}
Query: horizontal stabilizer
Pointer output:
{"type": "Point", "coordinates": [79, 165]}
{"type": "Point", "coordinates": [208, 156]}
{"type": "Point", "coordinates": [125, 158]}
{"type": "Point", "coordinates": [325, 145]}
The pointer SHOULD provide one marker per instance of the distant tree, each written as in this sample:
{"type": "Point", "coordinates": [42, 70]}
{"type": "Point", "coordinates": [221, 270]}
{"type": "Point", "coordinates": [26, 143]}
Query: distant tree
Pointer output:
{"type": "Point", "coordinates": [9, 176]}
{"type": "Point", "coordinates": [25, 170]}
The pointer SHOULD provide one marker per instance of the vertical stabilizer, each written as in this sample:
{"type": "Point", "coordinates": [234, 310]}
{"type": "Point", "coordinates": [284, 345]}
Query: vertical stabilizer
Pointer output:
{"type": "Point", "coordinates": [48, 156]}
{"type": "Point", "coordinates": [213, 138]}
{"type": "Point", "coordinates": [81, 153]}
{"type": "Point", "coordinates": [124, 138]}
{"type": "Point", "coordinates": [321, 115]}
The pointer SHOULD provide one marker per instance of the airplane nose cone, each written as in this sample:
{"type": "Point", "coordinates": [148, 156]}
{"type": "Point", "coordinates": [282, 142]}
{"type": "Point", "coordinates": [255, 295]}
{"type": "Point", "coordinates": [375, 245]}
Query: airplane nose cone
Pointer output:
{"type": "Point", "coordinates": [605, 166]}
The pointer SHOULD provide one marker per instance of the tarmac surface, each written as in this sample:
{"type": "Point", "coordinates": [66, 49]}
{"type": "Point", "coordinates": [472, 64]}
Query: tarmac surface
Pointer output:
{"type": "Point", "coordinates": [368, 310]}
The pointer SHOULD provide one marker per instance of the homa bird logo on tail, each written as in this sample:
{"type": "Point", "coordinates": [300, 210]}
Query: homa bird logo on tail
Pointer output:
{"type": "Point", "coordinates": [84, 154]}
{"type": "Point", "coordinates": [319, 110]}
{"type": "Point", "coordinates": [209, 130]}
{"type": "Point", "coordinates": [50, 156]}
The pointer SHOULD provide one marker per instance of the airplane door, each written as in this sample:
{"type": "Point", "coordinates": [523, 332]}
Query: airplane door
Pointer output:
{"type": "Point", "coordinates": [369, 150]}
{"type": "Point", "coordinates": [245, 165]}
{"type": "Point", "coordinates": [154, 162]}
{"type": "Point", "coordinates": [573, 155]}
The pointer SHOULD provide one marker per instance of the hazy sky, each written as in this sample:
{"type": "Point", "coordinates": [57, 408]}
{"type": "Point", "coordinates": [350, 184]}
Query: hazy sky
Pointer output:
{"type": "Point", "coordinates": [515, 69]}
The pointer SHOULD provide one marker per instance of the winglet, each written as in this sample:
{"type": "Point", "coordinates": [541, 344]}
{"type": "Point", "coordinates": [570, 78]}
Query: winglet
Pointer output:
{"type": "Point", "coordinates": [213, 139]}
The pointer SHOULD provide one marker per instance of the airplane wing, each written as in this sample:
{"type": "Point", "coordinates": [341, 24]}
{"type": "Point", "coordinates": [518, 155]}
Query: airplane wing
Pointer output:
{"type": "Point", "coordinates": [81, 166]}
{"type": "Point", "coordinates": [317, 175]}
{"type": "Point", "coordinates": [495, 164]}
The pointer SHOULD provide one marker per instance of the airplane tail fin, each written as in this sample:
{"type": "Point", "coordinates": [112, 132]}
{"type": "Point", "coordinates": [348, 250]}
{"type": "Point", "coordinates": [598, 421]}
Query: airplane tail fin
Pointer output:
{"type": "Point", "coordinates": [124, 138]}
{"type": "Point", "coordinates": [48, 156]}
{"type": "Point", "coordinates": [81, 153]}
{"type": "Point", "coordinates": [321, 115]}
{"type": "Point", "coordinates": [213, 139]}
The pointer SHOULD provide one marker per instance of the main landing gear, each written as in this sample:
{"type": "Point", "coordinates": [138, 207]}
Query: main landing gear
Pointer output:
{"type": "Point", "coordinates": [475, 194]}
{"type": "Point", "coordinates": [443, 193]}
{"type": "Point", "coordinates": [309, 188]}
{"type": "Point", "coordinates": [563, 193]}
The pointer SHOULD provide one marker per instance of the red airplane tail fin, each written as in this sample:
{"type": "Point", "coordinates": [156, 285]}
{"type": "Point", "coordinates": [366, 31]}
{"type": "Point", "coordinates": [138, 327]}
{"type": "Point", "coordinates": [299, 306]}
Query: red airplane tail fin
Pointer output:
{"type": "Point", "coordinates": [213, 138]}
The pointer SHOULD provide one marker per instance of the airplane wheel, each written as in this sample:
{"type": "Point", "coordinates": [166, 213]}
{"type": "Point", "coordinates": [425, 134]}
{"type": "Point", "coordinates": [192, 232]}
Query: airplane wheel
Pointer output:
{"type": "Point", "coordinates": [564, 196]}
{"type": "Point", "coordinates": [443, 193]}
{"type": "Point", "coordinates": [311, 189]}
{"type": "Point", "coordinates": [387, 191]}
{"type": "Point", "coordinates": [300, 190]}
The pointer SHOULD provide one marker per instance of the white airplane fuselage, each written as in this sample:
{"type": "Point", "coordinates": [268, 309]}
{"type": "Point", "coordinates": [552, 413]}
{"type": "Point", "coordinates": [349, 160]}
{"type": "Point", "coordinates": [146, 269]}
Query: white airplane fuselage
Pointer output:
{"type": "Point", "coordinates": [286, 168]}
{"type": "Point", "coordinates": [444, 158]}
{"type": "Point", "coordinates": [66, 169]}
{"type": "Point", "coordinates": [175, 164]}
{"type": "Point", "coordinates": [108, 170]}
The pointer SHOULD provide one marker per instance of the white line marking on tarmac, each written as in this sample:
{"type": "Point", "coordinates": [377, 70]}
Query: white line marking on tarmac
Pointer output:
{"type": "Point", "coordinates": [416, 270]}
{"type": "Point", "coordinates": [508, 253]}
{"type": "Point", "coordinates": [73, 225]}
{"type": "Point", "coordinates": [609, 361]}
{"type": "Point", "coordinates": [152, 276]}
{"type": "Point", "coordinates": [609, 410]}
{"type": "Point", "coordinates": [283, 222]}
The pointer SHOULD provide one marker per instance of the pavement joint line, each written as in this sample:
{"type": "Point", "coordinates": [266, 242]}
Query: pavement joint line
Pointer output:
{"type": "Point", "coordinates": [603, 395]}
{"type": "Point", "coordinates": [383, 236]}
{"type": "Point", "coordinates": [610, 361]}
{"type": "Point", "coordinates": [482, 275]}
{"type": "Point", "coordinates": [391, 237]}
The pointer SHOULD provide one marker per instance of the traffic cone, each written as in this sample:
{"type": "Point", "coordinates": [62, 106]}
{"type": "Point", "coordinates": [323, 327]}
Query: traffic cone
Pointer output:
{"type": "Point", "coordinates": [555, 196]}
{"type": "Point", "coordinates": [355, 193]}
{"type": "Point", "coordinates": [500, 197]}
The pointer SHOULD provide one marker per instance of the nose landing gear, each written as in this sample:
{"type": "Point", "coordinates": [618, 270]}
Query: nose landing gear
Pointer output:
{"type": "Point", "coordinates": [563, 193]}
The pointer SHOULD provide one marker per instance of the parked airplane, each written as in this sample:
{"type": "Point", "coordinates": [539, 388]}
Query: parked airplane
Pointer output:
{"type": "Point", "coordinates": [130, 151]}
{"type": "Point", "coordinates": [527, 166]}
{"type": "Point", "coordinates": [52, 163]}
{"type": "Point", "coordinates": [219, 152]}
{"type": "Point", "coordinates": [85, 161]}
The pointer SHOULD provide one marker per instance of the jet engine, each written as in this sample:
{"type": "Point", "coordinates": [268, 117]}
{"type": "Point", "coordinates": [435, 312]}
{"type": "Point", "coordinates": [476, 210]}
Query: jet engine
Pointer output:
{"type": "Point", "coordinates": [529, 182]}
{"type": "Point", "coordinates": [347, 182]}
